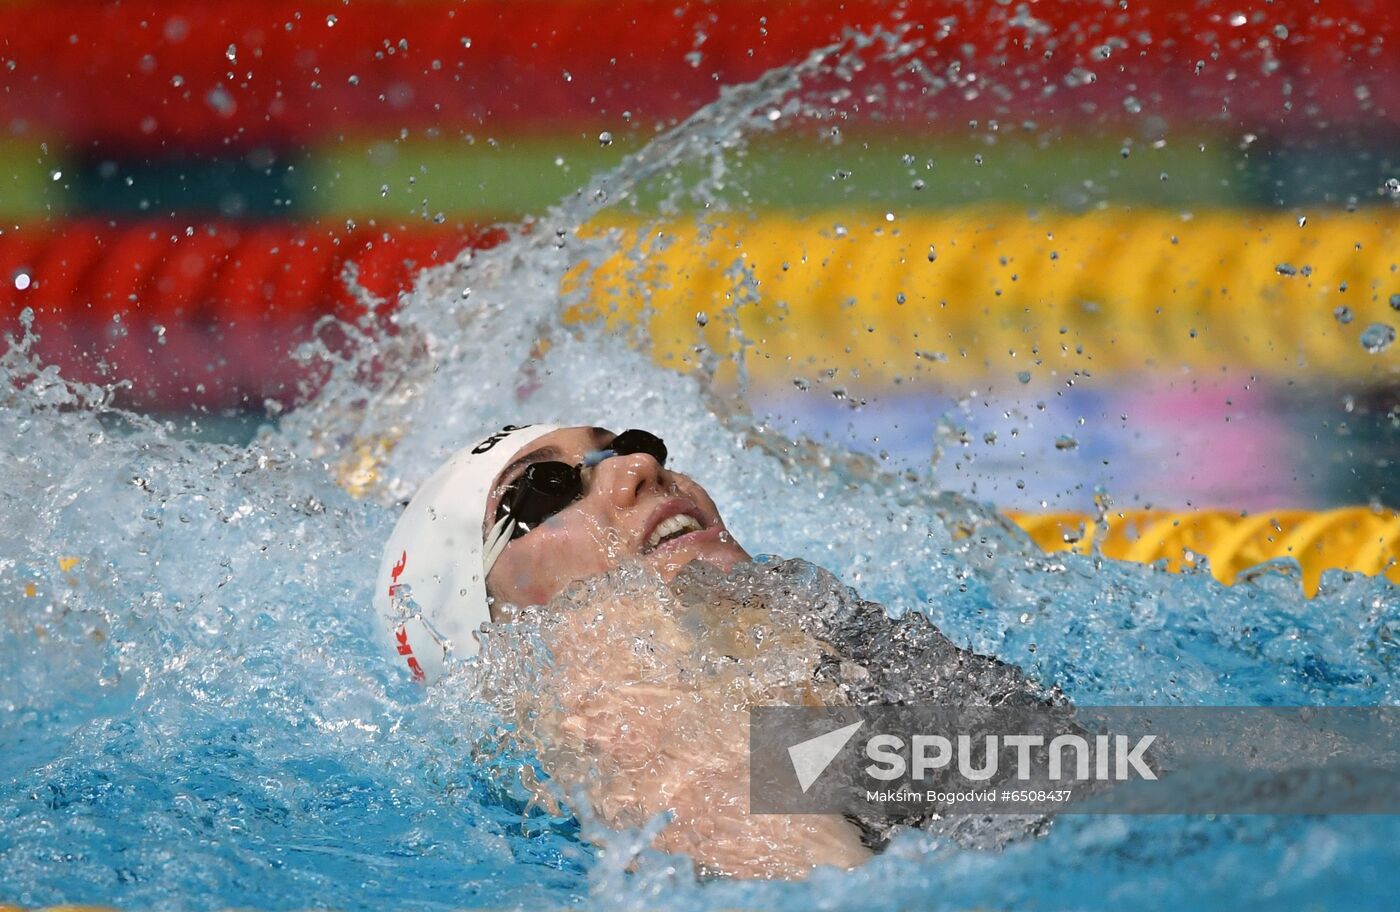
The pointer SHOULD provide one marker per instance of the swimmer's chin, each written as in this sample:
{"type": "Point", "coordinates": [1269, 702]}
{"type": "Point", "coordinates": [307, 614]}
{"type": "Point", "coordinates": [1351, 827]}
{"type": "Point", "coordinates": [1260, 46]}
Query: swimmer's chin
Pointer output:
{"type": "Point", "coordinates": [715, 545]}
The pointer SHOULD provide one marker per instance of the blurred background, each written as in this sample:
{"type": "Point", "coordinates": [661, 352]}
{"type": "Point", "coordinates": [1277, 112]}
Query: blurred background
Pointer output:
{"type": "Point", "coordinates": [1074, 252]}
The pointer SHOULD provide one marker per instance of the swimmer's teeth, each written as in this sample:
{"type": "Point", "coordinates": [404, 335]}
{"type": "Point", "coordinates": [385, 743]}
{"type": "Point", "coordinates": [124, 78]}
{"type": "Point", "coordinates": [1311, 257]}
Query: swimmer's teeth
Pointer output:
{"type": "Point", "coordinates": [680, 524]}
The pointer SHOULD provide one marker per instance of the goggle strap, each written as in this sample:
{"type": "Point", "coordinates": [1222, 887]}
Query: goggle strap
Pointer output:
{"type": "Point", "coordinates": [496, 541]}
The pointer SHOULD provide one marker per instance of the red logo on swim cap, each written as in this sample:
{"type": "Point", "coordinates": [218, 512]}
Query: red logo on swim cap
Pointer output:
{"type": "Point", "coordinates": [397, 572]}
{"type": "Point", "coordinates": [401, 634]}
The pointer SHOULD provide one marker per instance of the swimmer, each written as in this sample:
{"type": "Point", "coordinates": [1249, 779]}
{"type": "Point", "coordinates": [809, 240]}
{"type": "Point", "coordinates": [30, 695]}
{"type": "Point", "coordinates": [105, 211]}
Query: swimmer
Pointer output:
{"type": "Point", "coordinates": [510, 523]}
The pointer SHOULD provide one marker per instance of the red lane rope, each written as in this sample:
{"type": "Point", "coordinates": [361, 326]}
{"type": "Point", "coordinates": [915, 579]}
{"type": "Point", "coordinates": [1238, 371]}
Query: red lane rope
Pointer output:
{"type": "Point", "coordinates": [159, 73]}
{"type": "Point", "coordinates": [206, 318]}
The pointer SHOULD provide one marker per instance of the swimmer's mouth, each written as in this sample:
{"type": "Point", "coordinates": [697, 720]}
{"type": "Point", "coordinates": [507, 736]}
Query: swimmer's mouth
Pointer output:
{"type": "Point", "coordinates": [674, 522]}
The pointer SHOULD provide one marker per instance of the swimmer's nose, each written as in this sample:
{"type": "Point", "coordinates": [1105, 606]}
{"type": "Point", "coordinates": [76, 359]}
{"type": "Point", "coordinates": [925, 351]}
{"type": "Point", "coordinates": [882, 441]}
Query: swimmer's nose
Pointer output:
{"type": "Point", "coordinates": [624, 479]}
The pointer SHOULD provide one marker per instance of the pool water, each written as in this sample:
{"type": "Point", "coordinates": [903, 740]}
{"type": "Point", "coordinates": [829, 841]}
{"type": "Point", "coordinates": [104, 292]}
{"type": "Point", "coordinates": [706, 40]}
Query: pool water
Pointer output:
{"type": "Point", "coordinates": [198, 712]}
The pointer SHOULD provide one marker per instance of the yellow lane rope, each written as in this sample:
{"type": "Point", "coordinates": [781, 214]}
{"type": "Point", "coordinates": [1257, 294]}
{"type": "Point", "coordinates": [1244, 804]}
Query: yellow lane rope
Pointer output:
{"type": "Point", "coordinates": [986, 293]}
{"type": "Point", "coordinates": [1350, 538]}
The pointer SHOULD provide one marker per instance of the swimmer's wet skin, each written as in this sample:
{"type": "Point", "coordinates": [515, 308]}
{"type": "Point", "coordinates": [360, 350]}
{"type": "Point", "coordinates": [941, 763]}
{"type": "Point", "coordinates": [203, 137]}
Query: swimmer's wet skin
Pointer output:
{"type": "Point", "coordinates": [589, 540]}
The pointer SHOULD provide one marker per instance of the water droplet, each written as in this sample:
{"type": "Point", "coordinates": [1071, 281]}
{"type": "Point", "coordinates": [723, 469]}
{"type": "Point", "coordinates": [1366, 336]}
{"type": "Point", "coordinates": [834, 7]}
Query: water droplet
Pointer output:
{"type": "Point", "coordinates": [605, 138]}
{"type": "Point", "coordinates": [1132, 105]}
{"type": "Point", "coordinates": [702, 319]}
{"type": "Point", "coordinates": [1395, 302]}
{"type": "Point", "coordinates": [1285, 269]}
{"type": "Point", "coordinates": [1302, 221]}
{"type": "Point", "coordinates": [1238, 19]}
{"type": "Point", "coordinates": [774, 114]}
{"type": "Point", "coordinates": [1024, 376]}
{"type": "Point", "coordinates": [232, 52]}
{"type": "Point", "coordinates": [219, 99]}
{"type": "Point", "coordinates": [466, 42]}
{"type": "Point", "coordinates": [330, 21]}
{"type": "Point", "coordinates": [908, 159]}
{"type": "Point", "coordinates": [1392, 188]}
{"type": "Point", "coordinates": [56, 175]}
{"type": "Point", "coordinates": [1378, 337]}
{"type": "Point", "coordinates": [801, 383]}
{"type": "Point", "coordinates": [1066, 442]}
{"type": "Point", "coordinates": [22, 280]}
{"type": "Point", "coordinates": [1343, 314]}
{"type": "Point", "coordinates": [919, 184]}
{"type": "Point", "coordinates": [932, 254]}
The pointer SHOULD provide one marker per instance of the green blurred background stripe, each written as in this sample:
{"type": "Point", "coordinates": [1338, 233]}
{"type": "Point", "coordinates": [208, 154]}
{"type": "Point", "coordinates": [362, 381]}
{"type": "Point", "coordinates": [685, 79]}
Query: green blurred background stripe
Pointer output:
{"type": "Point", "coordinates": [510, 176]}
{"type": "Point", "coordinates": [27, 188]}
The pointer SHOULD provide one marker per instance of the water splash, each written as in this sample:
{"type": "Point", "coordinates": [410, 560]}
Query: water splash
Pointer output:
{"type": "Point", "coordinates": [196, 707]}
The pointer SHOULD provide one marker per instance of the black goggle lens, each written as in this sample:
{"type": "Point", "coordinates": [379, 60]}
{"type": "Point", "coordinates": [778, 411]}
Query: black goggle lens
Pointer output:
{"type": "Point", "coordinates": [545, 488]}
{"type": "Point", "coordinates": [542, 490]}
{"type": "Point", "coordinates": [638, 441]}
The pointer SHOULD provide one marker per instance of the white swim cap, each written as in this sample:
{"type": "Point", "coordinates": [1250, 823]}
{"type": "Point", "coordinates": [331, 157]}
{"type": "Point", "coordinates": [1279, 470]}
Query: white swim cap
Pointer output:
{"type": "Point", "coordinates": [431, 588]}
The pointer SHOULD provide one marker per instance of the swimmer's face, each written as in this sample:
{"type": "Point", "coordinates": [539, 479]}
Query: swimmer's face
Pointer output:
{"type": "Point", "coordinates": [624, 500]}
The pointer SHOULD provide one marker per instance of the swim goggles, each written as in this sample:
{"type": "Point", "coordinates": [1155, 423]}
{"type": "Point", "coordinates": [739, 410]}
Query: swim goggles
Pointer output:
{"type": "Point", "coordinates": [545, 488]}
